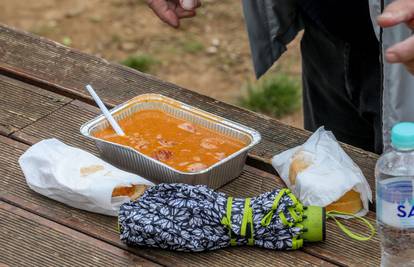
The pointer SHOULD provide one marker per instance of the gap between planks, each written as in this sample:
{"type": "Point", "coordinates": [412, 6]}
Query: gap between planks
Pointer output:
{"type": "Point", "coordinates": [133, 259]}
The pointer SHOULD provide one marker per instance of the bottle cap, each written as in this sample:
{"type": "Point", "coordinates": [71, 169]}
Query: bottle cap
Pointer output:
{"type": "Point", "coordinates": [402, 135]}
{"type": "Point", "coordinates": [314, 223]}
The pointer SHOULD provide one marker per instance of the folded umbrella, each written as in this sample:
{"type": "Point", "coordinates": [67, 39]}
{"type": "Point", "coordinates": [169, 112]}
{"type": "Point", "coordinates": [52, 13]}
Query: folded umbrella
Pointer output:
{"type": "Point", "coordinates": [195, 218]}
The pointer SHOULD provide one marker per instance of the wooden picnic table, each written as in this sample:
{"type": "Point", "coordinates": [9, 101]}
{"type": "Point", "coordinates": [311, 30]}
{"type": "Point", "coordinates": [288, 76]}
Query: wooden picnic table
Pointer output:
{"type": "Point", "coordinates": [42, 96]}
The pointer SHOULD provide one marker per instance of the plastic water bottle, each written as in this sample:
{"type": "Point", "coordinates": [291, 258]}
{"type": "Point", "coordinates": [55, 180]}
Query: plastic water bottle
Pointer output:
{"type": "Point", "coordinates": [394, 174]}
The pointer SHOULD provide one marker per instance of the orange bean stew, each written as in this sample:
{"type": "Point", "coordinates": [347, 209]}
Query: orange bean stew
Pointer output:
{"type": "Point", "coordinates": [181, 145]}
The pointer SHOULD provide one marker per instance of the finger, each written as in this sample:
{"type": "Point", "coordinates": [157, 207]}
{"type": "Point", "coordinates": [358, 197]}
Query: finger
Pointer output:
{"type": "Point", "coordinates": [179, 11]}
{"type": "Point", "coordinates": [187, 14]}
{"type": "Point", "coordinates": [173, 6]}
{"type": "Point", "coordinates": [164, 12]}
{"type": "Point", "coordinates": [401, 52]}
{"type": "Point", "coordinates": [182, 13]}
{"type": "Point", "coordinates": [397, 12]}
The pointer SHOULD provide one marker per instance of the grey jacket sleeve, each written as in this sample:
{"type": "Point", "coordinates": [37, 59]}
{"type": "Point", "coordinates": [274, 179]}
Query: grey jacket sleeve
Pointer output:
{"type": "Point", "coordinates": [271, 25]}
{"type": "Point", "coordinates": [398, 83]}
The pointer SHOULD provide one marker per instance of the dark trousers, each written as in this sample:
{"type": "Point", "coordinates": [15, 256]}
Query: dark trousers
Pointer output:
{"type": "Point", "coordinates": [342, 87]}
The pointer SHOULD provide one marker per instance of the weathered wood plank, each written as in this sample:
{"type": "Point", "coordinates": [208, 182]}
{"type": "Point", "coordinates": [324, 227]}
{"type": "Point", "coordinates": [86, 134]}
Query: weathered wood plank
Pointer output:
{"type": "Point", "coordinates": [22, 104]}
{"type": "Point", "coordinates": [13, 189]}
{"type": "Point", "coordinates": [63, 124]}
{"type": "Point", "coordinates": [35, 241]}
{"type": "Point", "coordinates": [66, 71]}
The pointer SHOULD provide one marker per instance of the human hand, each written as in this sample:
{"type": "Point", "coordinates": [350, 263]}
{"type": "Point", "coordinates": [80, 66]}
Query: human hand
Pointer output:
{"type": "Point", "coordinates": [400, 11]}
{"type": "Point", "coordinates": [171, 11]}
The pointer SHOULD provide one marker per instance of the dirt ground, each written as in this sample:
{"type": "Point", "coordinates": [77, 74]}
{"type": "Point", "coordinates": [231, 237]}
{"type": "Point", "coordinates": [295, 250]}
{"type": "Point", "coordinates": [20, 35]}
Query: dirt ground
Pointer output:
{"type": "Point", "coordinates": [208, 54]}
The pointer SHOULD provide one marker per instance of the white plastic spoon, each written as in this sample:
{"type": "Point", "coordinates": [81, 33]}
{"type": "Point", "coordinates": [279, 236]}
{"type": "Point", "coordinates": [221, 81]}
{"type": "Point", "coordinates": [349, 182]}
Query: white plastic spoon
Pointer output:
{"type": "Point", "coordinates": [105, 111]}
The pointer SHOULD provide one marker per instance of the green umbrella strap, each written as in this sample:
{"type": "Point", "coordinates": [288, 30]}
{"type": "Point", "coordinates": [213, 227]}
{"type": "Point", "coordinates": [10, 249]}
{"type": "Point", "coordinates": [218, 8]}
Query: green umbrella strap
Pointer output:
{"type": "Point", "coordinates": [227, 220]}
{"type": "Point", "coordinates": [268, 217]}
{"type": "Point", "coordinates": [284, 220]}
{"type": "Point", "coordinates": [332, 214]}
{"type": "Point", "coordinates": [247, 223]}
{"type": "Point", "coordinates": [247, 227]}
{"type": "Point", "coordinates": [297, 243]}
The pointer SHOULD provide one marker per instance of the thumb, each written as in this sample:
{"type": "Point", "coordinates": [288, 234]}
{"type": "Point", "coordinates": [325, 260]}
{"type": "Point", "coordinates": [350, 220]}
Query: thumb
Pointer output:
{"type": "Point", "coordinates": [161, 8]}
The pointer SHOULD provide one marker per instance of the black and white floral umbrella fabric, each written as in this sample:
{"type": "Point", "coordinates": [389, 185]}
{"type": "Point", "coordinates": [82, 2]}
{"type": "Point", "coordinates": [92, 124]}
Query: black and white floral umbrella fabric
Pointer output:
{"type": "Point", "coordinates": [195, 218]}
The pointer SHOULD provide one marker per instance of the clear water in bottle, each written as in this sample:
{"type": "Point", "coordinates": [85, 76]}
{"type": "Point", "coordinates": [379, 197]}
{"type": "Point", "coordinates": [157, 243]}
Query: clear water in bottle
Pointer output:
{"type": "Point", "coordinates": [394, 174]}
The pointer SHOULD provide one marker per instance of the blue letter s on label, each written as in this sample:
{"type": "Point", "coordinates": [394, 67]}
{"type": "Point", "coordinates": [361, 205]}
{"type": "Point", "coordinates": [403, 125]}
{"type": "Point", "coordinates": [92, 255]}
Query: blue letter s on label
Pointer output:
{"type": "Point", "coordinates": [401, 209]}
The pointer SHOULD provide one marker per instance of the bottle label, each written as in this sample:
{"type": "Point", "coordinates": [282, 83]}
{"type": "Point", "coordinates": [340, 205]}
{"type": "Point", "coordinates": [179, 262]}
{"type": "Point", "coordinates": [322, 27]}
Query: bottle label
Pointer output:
{"type": "Point", "coordinates": [395, 202]}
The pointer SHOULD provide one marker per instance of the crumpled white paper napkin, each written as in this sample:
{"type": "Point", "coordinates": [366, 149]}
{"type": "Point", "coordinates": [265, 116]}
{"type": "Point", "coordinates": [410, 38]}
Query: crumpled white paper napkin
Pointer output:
{"type": "Point", "coordinates": [75, 177]}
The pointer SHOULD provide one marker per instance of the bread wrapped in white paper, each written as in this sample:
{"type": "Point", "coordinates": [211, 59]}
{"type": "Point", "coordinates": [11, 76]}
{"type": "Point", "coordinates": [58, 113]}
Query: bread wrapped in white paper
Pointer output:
{"type": "Point", "coordinates": [79, 179]}
{"type": "Point", "coordinates": [320, 173]}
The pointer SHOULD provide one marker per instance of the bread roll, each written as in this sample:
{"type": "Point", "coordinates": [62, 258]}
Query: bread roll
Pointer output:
{"type": "Point", "coordinates": [350, 202]}
{"type": "Point", "coordinates": [133, 192]}
{"type": "Point", "coordinates": [301, 160]}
